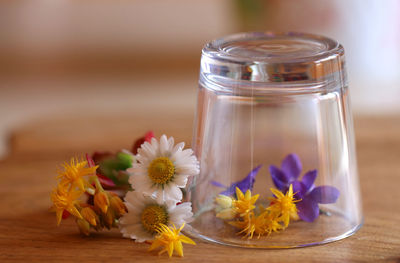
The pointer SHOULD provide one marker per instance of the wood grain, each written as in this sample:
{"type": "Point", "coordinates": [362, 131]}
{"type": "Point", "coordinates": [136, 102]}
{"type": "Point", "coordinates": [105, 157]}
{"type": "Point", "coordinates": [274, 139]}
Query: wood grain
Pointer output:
{"type": "Point", "coordinates": [28, 231]}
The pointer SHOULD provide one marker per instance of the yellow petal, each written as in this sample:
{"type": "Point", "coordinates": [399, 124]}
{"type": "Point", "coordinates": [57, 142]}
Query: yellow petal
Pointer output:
{"type": "Point", "coordinates": [80, 183]}
{"type": "Point", "coordinates": [170, 249]}
{"type": "Point", "coordinates": [155, 245]}
{"type": "Point", "coordinates": [247, 195]}
{"type": "Point", "coordinates": [239, 193]}
{"type": "Point", "coordinates": [254, 198]}
{"type": "Point", "coordinates": [277, 193]}
{"type": "Point", "coordinates": [75, 194]}
{"type": "Point", "coordinates": [294, 216]}
{"type": "Point", "coordinates": [178, 248]}
{"type": "Point", "coordinates": [187, 240]}
{"type": "Point", "coordinates": [286, 220]}
{"type": "Point", "coordinates": [59, 216]}
{"type": "Point", "coordinates": [290, 190]}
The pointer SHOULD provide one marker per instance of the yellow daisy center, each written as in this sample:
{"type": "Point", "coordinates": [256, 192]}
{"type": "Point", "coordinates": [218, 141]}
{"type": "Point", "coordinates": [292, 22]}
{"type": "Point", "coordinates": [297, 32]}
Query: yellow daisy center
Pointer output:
{"type": "Point", "coordinates": [152, 216]}
{"type": "Point", "coordinates": [161, 170]}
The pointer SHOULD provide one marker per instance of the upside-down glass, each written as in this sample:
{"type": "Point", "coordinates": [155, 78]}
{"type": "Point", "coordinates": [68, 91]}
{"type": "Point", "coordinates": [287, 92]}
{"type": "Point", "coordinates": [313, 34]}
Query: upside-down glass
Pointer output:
{"type": "Point", "coordinates": [263, 96]}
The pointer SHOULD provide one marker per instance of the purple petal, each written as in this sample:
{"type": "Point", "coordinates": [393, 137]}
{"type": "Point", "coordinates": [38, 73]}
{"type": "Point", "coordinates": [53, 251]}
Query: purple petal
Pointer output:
{"type": "Point", "coordinates": [245, 184]}
{"type": "Point", "coordinates": [217, 184]}
{"type": "Point", "coordinates": [248, 181]}
{"type": "Point", "coordinates": [298, 189]}
{"type": "Point", "coordinates": [291, 167]}
{"type": "Point", "coordinates": [279, 184]}
{"type": "Point", "coordinates": [325, 194]}
{"type": "Point", "coordinates": [278, 174]}
{"type": "Point", "coordinates": [229, 192]}
{"type": "Point", "coordinates": [309, 179]}
{"type": "Point", "coordinates": [308, 209]}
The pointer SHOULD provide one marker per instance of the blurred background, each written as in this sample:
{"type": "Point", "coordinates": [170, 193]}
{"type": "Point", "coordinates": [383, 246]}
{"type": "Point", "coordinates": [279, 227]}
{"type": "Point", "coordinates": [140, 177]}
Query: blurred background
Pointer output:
{"type": "Point", "coordinates": [73, 59]}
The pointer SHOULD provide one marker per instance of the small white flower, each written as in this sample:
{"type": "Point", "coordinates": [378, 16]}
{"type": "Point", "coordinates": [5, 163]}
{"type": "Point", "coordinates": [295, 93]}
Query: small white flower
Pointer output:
{"type": "Point", "coordinates": [162, 169]}
{"type": "Point", "coordinates": [145, 214]}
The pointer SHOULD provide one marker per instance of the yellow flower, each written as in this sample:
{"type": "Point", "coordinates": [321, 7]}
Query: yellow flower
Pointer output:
{"type": "Point", "coordinates": [250, 225]}
{"type": "Point", "coordinates": [245, 202]}
{"type": "Point", "coordinates": [171, 239]}
{"type": "Point", "coordinates": [265, 223]}
{"type": "Point", "coordinates": [74, 172]}
{"type": "Point", "coordinates": [65, 200]}
{"type": "Point", "coordinates": [271, 223]}
{"type": "Point", "coordinates": [284, 206]}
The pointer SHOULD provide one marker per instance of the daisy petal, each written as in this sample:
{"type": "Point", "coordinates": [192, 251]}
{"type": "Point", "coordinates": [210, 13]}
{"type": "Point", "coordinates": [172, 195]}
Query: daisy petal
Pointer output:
{"type": "Point", "coordinates": [173, 192]}
{"type": "Point", "coordinates": [181, 180]}
{"type": "Point", "coordinates": [164, 147]}
{"type": "Point", "coordinates": [170, 144]}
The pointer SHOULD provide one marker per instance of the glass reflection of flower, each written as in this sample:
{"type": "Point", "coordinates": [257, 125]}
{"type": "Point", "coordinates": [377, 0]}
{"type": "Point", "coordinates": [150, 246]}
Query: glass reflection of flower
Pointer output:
{"type": "Point", "coordinates": [310, 195]}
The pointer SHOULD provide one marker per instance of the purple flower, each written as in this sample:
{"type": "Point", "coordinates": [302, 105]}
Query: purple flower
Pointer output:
{"type": "Point", "coordinates": [246, 184]}
{"type": "Point", "coordinates": [305, 189]}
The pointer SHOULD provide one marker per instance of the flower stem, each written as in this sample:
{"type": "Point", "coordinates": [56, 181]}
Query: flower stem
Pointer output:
{"type": "Point", "coordinates": [94, 179]}
{"type": "Point", "coordinates": [323, 212]}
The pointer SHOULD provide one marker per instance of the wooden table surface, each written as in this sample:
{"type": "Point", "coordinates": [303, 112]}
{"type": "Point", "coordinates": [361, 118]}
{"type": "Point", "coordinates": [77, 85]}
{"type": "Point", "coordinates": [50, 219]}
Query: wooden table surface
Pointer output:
{"type": "Point", "coordinates": [28, 232]}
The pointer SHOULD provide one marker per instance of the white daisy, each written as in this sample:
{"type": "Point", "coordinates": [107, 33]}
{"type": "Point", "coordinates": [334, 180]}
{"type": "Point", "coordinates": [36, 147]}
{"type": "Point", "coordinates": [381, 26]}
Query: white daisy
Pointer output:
{"type": "Point", "coordinates": [162, 169]}
{"type": "Point", "coordinates": [145, 214]}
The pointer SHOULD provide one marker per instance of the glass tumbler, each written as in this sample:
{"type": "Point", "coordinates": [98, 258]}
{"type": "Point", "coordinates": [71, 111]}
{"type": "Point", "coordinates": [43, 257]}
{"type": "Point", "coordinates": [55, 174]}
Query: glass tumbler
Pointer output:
{"type": "Point", "coordinates": [274, 137]}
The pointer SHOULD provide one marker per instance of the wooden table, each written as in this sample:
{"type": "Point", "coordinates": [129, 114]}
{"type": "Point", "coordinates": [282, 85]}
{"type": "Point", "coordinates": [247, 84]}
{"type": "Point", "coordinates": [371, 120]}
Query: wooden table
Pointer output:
{"type": "Point", "coordinates": [28, 232]}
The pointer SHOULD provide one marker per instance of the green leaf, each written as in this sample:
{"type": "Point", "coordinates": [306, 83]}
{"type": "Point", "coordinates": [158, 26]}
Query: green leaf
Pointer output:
{"type": "Point", "coordinates": [115, 167]}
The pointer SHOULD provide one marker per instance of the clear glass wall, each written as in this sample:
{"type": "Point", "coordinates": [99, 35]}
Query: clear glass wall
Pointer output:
{"type": "Point", "coordinates": [277, 105]}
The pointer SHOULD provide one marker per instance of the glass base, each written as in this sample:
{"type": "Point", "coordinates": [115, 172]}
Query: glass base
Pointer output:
{"type": "Point", "coordinates": [324, 230]}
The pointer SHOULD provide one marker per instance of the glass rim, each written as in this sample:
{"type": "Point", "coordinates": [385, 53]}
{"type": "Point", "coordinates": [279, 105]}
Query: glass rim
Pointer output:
{"type": "Point", "coordinates": [220, 47]}
{"type": "Point", "coordinates": [266, 59]}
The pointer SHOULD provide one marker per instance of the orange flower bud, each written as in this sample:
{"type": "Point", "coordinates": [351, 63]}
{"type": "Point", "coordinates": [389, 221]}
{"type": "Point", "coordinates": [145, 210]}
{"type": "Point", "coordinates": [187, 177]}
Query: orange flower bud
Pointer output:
{"type": "Point", "coordinates": [101, 201]}
{"type": "Point", "coordinates": [117, 205]}
{"type": "Point", "coordinates": [109, 218]}
{"type": "Point", "coordinates": [84, 226]}
{"type": "Point", "coordinates": [90, 216]}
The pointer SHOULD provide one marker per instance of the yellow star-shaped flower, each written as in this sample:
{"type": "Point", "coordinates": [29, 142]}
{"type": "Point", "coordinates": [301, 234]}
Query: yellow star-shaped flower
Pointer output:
{"type": "Point", "coordinates": [245, 202]}
{"type": "Point", "coordinates": [74, 172]}
{"type": "Point", "coordinates": [284, 205]}
{"type": "Point", "coordinates": [65, 200]}
{"type": "Point", "coordinates": [171, 239]}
